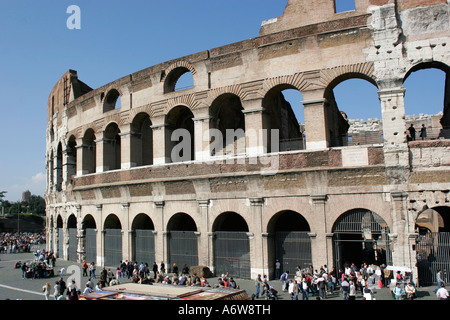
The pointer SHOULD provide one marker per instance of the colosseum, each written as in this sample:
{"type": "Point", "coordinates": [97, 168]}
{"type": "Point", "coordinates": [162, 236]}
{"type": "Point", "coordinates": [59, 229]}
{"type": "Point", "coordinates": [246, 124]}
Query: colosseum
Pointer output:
{"type": "Point", "coordinates": [221, 175]}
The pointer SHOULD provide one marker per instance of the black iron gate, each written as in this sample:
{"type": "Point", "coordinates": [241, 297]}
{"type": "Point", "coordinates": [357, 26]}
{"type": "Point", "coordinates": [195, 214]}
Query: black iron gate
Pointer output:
{"type": "Point", "coordinates": [73, 245]}
{"type": "Point", "coordinates": [232, 254]}
{"type": "Point", "coordinates": [183, 249]}
{"type": "Point", "coordinates": [292, 249]}
{"type": "Point", "coordinates": [360, 235]}
{"type": "Point", "coordinates": [91, 245]}
{"type": "Point", "coordinates": [433, 254]}
{"type": "Point", "coordinates": [144, 244]}
{"type": "Point", "coordinates": [113, 247]}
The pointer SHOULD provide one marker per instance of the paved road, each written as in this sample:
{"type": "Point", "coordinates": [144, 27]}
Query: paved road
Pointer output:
{"type": "Point", "coordinates": [13, 287]}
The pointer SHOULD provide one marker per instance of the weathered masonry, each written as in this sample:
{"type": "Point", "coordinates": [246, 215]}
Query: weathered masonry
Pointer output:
{"type": "Point", "coordinates": [119, 187]}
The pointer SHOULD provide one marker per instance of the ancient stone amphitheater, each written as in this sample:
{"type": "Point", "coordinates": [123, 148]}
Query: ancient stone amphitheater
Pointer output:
{"type": "Point", "coordinates": [221, 175]}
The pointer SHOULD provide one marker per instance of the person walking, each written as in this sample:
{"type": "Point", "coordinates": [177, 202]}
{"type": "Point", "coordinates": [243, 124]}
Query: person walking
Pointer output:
{"type": "Point", "coordinates": [258, 283]}
{"type": "Point", "coordinates": [439, 279]}
{"type": "Point", "coordinates": [56, 290]}
{"type": "Point", "coordinates": [46, 290]}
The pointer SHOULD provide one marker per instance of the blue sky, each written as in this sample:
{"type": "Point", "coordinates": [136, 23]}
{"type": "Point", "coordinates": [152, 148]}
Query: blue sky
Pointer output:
{"type": "Point", "coordinates": [117, 38]}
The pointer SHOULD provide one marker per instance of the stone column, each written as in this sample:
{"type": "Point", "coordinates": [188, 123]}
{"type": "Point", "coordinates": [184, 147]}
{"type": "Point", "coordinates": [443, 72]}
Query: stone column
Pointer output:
{"type": "Point", "coordinates": [255, 138]}
{"type": "Point", "coordinates": [316, 135]}
{"type": "Point", "coordinates": [161, 253]}
{"type": "Point", "coordinates": [81, 165]}
{"type": "Point", "coordinates": [99, 146]}
{"type": "Point", "coordinates": [321, 253]}
{"type": "Point", "coordinates": [126, 243]}
{"type": "Point", "coordinates": [126, 136]}
{"type": "Point", "coordinates": [259, 256]}
{"type": "Point", "coordinates": [81, 236]}
{"type": "Point", "coordinates": [203, 248]}
{"type": "Point", "coordinates": [202, 138]}
{"type": "Point", "coordinates": [401, 248]}
{"type": "Point", "coordinates": [161, 154]}
{"type": "Point", "coordinates": [394, 126]}
{"type": "Point", "coordinates": [100, 238]}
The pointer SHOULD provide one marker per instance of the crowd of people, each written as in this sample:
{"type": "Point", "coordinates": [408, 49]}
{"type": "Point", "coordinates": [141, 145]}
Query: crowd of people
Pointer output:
{"type": "Point", "coordinates": [348, 282]}
{"type": "Point", "coordinates": [19, 242]}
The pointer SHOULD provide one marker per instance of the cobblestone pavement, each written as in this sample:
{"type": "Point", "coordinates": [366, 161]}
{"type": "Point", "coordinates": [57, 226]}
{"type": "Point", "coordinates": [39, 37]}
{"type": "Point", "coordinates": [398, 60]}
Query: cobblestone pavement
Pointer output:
{"type": "Point", "coordinates": [13, 287]}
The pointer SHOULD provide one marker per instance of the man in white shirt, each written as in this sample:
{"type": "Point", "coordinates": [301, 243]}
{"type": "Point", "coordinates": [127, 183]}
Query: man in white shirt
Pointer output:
{"type": "Point", "coordinates": [442, 293]}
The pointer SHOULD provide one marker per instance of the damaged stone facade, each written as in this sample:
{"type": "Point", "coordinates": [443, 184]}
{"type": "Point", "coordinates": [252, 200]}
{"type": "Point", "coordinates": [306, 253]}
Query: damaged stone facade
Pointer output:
{"type": "Point", "coordinates": [105, 161]}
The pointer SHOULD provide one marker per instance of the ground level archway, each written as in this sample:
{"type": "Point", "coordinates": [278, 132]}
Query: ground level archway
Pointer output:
{"type": "Point", "coordinates": [290, 242]}
{"type": "Point", "coordinates": [433, 244]}
{"type": "Point", "coordinates": [182, 241]}
{"type": "Point", "coordinates": [360, 236]}
{"type": "Point", "coordinates": [231, 245]}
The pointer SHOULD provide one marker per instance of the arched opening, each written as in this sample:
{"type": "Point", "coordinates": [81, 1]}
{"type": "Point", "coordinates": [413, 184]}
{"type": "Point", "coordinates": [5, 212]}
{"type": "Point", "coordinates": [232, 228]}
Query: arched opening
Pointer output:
{"type": "Point", "coordinates": [180, 134]}
{"type": "Point", "coordinates": [231, 245]}
{"type": "Point", "coordinates": [141, 146]}
{"type": "Point", "coordinates": [112, 101]}
{"type": "Point", "coordinates": [90, 229]}
{"type": "Point", "coordinates": [427, 101]}
{"type": "Point", "coordinates": [355, 112]}
{"type": "Point", "coordinates": [59, 237]}
{"type": "Point", "coordinates": [112, 241]}
{"type": "Point", "coordinates": [227, 126]}
{"type": "Point", "coordinates": [290, 242]}
{"type": "Point", "coordinates": [143, 239]}
{"type": "Point", "coordinates": [284, 112]}
{"type": "Point", "coordinates": [111, 148]}
{"type": "Point", "coordinates": [180, 78]}
{"type": "Point", "coordinates": [182, 241]}
{"type": "Point", "coordinates": [433, 244]}
{"type": "Point", "coordinates": [89, 152]}
{"type": "Point", "coordinates": [59, 167]}
{"type": "Point", "coordinates": [73, 240]}
{"type": "Point", "coordinates": [50, 169]}
{"type": "Point", "coordinates": [360, 236]}
{"type": "Point", "coordinates": [71, 157]}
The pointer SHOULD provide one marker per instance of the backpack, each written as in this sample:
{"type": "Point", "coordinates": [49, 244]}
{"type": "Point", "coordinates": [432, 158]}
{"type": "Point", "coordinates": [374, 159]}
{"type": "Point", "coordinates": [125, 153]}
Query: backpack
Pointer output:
{"type": "Point", "coordinates": [283, 277]}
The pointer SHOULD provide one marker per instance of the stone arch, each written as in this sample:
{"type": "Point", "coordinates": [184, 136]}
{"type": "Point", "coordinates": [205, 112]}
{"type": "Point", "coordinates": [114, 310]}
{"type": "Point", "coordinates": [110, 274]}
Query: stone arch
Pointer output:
{"type": "Point", "coordinates": [111, 147]}
{"type": "Point", "coordinates": [436, 128]}
{"type": "Point", "coordinates": [180, 137]}
{"type": "Point", "coordinates": [182, 241]}
{"type": "Point", "coordinates": [279, 115]}
{"type": "Point", "coordinates": [89, 161]}
{"type": "Point", "coordinates": [289, 241]}
{"type": "Point", "coordinates": [111, 100]}
{"type": "Point", "coordinates": [231, 245]}
{"type": "Point", "coordinates": [337, 116]}
{"type": "Point", "coordinates": [174, 72]}
{"type": "Point", "coordinates": [227, 125]}
{"type": "Point", "coordinates": [89, 227]}
{"type": "Point", "coordinates": [360, 236]}
{"type": "Point", "coordinates": [112, 228]}
{"type": "Point", "coordinates": [143, 239]}
{"type": "Point", "coordinates": [73, 239]}
{"type": "Point", "coordinates": [59, 166]}
{"type": "Point", "coordinates": [141, 144]}
{"type": "Point", "coordinates": [71, 152]}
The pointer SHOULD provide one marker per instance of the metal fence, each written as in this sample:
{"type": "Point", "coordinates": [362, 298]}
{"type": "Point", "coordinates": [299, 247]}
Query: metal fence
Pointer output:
{"type": "Point", "coordinates": [113, 247]}
{"type": "Point", "coordinates": [183, 249]}
{"type": "Point", "coordinates": [144, 245]}
{"type": "Point", "coordinates": [91, 245]}
{"type": "Point", "coordinates": [433, 254]}
{"type": "Point", "coordinates": [60, 242]}
{"type": "Point", "coordinates": [73, 245]}
{"type": "Point", "coordinates": [293, 249]}
{"type": "Point", "coordinates": [232, 253]}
